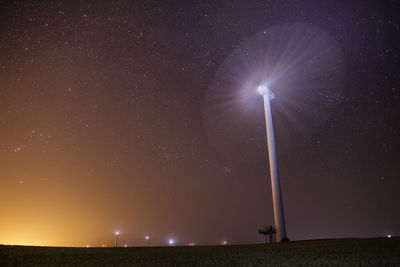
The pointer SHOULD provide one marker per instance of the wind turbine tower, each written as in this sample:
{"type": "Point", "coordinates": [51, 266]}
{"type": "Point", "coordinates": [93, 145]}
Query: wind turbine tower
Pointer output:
{"type": "Point", "coordinates": [279, 216]}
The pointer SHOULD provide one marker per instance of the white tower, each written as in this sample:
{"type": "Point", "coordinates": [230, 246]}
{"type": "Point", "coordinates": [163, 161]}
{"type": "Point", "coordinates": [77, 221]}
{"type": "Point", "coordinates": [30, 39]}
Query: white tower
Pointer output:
{"type": "Point", "coordinates": [116, 238]}
{"type": "Point", "coordinates": [279, 216]}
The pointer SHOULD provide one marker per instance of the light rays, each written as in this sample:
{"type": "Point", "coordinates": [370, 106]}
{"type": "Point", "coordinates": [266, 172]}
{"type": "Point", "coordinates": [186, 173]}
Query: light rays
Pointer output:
{"type": "Point", "coordinates": [303, 67]}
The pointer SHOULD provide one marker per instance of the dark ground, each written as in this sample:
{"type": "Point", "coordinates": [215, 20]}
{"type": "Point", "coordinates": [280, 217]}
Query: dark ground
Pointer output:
{"type": "Point", "coordinates": [337, 252]}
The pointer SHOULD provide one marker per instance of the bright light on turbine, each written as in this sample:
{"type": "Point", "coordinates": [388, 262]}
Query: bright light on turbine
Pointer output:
{"type": "Point", "coordinates": [116, 238]}
{"type": "Point", "coordinates": [264, 90]}
{"type": "Point", "coordinates": [147, 240]}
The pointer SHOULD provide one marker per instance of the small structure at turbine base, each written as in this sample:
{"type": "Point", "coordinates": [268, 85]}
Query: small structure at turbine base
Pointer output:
{"type": "Point", "coordinates": [269, 232]}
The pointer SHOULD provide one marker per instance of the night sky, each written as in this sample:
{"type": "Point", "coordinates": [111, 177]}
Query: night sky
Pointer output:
{"type": "Point", "coordinates": [105, 110]}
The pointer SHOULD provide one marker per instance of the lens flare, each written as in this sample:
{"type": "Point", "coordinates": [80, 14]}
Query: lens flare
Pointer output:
{"type": "Point", "coordinates": [300, 64]}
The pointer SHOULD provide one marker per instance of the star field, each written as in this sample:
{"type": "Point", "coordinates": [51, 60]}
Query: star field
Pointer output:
{"type": "Point", "coordinates": [102, 127]}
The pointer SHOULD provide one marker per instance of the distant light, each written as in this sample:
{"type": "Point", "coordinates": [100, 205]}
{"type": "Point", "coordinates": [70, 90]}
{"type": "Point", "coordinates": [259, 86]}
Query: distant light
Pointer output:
{"type": "Point", "coordinates": [103, 246]}
{"type": "Point", "coordinates": [191, 244]}
{"type": "Point", "coordinates": [147, 237]}
{"type": "Point", "coordinates": [12, 244]}
{"type": "Point", "coordinates": [171, 241]}
{"type": "Point", "coordinates": [224, 243]}
{"type": "Point", "coordinates": [88, 246]}
{"type": "Point", "coordinates": [389, 236]}
{"type": "Point", "coordinates": [117, 233]}
{"type": "Point", "coordinates": [125, 245]}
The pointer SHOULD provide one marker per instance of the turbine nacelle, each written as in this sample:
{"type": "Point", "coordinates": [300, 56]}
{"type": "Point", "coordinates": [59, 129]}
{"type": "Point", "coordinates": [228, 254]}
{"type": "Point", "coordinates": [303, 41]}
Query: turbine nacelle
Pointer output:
{"type": "Point", "coordinates": [264, 91]}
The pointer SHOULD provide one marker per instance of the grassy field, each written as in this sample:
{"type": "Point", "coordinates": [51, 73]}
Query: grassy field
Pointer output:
{"type": "Point", "coordinates": [337, 252]}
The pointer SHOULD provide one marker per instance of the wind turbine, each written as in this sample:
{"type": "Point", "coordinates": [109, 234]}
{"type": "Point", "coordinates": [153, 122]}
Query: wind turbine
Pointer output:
{"type": "Point", "coordinates": [279, 216]}
{"type": "Point", "coordinates": [116, 238]}
{"type": "Point", "coordinates": [300, 67]}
